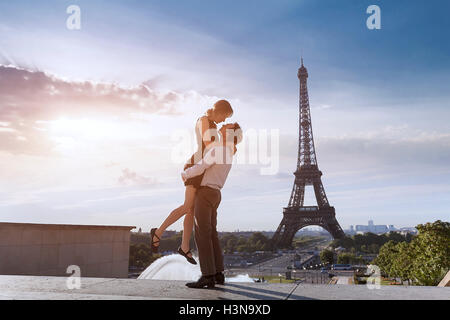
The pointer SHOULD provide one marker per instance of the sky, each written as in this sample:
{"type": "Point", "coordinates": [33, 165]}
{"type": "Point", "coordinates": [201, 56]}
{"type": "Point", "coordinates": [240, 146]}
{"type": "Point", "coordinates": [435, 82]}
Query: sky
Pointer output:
{"type": "Point", "coordinates": [95, 123]}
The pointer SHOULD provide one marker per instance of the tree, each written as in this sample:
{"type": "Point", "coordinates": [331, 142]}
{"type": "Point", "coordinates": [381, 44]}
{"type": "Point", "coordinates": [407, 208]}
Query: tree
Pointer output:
{"type": "Point", "coordinates": [345, 242]}
{"type": "Point", "coordinates": [327, 256]}
{"type": "Point", "coordinates": [258, 236]}
{"type": "Point", "coordinates": [374, 248]}
{"type": "Point", "coordinates": [368, 242]}
{"type": "Point", "coordinates": [231, 245]}
{"type": "Point", "coordinates": [346, 258]}
{"type": "Point", "coordinates": [242, 241]}
{"type": "Point", "coordinates": [432, 249]}
{"type": "Point", "coordinates": [140, 255]}
{"type": "Point", "coordinates": [385, 257]}
{"type": "Point", "coordinates": [402, 263]}
{"type": "Point", "coordinates": [396, 237]}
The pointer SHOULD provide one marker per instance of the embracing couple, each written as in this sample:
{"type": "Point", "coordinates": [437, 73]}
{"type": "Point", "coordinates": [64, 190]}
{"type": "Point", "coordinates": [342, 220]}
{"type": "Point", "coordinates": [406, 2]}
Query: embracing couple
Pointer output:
{"type": "Point", "coordinates": [204, 175]}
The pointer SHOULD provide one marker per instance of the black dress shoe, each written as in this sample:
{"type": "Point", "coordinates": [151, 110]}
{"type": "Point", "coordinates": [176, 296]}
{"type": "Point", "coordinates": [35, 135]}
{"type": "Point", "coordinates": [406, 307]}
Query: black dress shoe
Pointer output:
{"type": "Point", "coordinates": [185, 254]}
{"type": "Point", "coordinates": [220, 278]}
{"type": "Point", "coordinates": [204, 281]}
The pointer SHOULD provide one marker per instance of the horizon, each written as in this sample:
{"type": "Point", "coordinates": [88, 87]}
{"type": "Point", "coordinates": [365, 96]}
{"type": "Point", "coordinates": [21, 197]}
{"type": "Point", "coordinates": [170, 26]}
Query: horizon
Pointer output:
{"type": "Point", "coordinates": [96, 123]}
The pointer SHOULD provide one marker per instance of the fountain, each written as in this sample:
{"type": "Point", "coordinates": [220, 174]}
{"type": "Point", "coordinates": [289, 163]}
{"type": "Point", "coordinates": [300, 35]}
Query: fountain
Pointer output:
{"type": "Point", "coordinates": [175, 267]}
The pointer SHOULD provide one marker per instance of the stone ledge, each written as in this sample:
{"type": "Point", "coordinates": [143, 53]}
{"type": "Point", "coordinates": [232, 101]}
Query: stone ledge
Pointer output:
{"type": "Point", "coordinates": [52, 288]}
{"type": "Point", "coordinates": [65, 226]}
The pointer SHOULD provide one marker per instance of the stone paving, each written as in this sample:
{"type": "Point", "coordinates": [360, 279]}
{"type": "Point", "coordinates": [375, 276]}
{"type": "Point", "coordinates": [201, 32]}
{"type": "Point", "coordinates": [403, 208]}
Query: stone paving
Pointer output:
{"type": "Point", "coordinates": [55, 288]}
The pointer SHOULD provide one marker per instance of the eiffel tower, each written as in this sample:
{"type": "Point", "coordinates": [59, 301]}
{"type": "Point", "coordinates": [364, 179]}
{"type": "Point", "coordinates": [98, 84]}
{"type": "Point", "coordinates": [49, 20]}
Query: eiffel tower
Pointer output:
{"type": "Point", "coordinates": [297, 216]}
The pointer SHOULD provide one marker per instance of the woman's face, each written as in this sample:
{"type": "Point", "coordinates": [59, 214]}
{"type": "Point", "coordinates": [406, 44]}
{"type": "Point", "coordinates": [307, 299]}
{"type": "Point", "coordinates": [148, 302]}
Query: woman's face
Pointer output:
{"type": "Point", "coordinates": [220, 117]}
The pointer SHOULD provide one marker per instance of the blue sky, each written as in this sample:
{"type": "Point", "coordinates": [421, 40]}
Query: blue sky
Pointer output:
{"type": "Point", "coordinates": [379, 104]}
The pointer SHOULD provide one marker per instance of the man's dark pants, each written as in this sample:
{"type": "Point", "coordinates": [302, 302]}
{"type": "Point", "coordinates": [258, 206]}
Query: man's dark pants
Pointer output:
{"type": "Point", "coordinates": [207, 201]}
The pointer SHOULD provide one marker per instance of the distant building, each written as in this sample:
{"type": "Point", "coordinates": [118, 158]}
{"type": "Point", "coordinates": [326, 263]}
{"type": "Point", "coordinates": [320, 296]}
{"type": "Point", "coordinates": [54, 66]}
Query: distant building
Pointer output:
{"type": "Point", "coordinates": [379, 229]}
{"type": "Point", "coordinates": [371, 227]}
{"type": "Point", "coordinates": [405, 231]}
{"type": "Point", "coordinates": [350, 231]}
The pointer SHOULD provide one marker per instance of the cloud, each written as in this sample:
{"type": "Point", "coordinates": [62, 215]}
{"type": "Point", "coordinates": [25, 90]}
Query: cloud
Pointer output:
{"type": "Point", "coordinates": [19, 138]}
{"type": "Point", "coordinates": [399, 147]}
{"type": "Point", "coordinates": [111, 164]}
{"type": "Point", "coordinates": [321, 107]}
{"type": "Point", "coordinates": [29, 98]}
{"type": "Point", "coordinates": [129, 177]}
{"type": "Point", "coordinates": [13, 199]}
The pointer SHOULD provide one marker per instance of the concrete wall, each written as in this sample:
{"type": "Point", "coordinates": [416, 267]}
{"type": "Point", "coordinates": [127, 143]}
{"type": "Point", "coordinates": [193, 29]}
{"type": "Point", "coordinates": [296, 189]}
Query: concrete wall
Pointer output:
{"type": "Point", "coordinates": [45, 249]}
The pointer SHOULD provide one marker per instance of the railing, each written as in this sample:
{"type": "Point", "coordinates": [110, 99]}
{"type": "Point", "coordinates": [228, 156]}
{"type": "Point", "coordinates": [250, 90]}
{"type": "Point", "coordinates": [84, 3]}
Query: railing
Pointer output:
{"type": "Point", "coordinates": [306, 209]}
{"type": "Point", "coordinates": [311, 208]}
{"type": "Point", "coordinates": [310, 276]}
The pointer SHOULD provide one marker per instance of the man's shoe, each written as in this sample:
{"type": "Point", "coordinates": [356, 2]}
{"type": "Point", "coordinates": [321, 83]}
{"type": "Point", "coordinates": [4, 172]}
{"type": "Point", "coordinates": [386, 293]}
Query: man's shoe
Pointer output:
{"type": "Point", "coordinates": [220, 278]}
{"type": "Point", "coordinates": [204, 281]}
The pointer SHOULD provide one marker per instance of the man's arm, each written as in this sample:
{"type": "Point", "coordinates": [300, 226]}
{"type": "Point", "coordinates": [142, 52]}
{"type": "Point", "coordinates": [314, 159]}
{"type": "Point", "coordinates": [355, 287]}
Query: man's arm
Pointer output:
{"type": "Point", "coordinates": [200, 167]}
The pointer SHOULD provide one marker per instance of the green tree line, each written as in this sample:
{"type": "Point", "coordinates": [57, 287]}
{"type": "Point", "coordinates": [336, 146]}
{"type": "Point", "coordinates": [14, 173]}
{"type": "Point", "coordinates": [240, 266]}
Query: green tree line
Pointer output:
{"type": "Point", "coordinates": [256, 242]}
{"type": "Point", "coordinates": [141, 257]}
{"type": "Point", "coordinates": [328, 257]}
{"type": "Point", "coordinates": [423, 261]}
{"type": "Point", "coordinates": [369, 242]}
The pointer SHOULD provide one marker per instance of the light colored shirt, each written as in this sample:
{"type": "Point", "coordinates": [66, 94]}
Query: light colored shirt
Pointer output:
{"type": "Point", "coordinates": [216, 164]}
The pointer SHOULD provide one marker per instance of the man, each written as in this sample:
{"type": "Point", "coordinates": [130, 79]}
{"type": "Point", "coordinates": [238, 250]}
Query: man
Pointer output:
{"type": "Point", "coordinates": [216, 165]}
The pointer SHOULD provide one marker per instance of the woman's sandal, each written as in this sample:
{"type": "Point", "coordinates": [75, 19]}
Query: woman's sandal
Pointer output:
{"type": "Point", "coordinates": [185, 254]}
{"type": "Point", "coordinates": [152, 235]}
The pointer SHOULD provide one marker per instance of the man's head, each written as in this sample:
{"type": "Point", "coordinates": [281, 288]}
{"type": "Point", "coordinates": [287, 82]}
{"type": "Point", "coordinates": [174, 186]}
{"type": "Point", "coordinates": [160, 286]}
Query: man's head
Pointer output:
{"type": "Point", "coordinates": [231, 134]}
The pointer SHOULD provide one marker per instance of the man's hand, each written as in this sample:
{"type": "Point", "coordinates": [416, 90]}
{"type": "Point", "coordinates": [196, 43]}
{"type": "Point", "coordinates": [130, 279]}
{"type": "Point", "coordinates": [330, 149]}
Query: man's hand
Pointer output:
{"type": "Point", "coordinates": [183, 176]}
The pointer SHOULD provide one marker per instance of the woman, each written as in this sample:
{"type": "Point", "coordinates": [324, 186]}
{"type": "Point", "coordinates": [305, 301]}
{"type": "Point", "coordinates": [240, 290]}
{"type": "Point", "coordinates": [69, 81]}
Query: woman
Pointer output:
{"type": "Point", "coordinates": [206, 133]}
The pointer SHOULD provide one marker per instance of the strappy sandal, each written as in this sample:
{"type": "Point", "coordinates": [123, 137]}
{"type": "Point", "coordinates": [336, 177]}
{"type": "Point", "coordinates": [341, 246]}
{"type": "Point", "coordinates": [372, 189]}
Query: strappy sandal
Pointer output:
{"type": "Point", "coordinates": [185, 254]}
{"type": "Point", "coordinates": [152, 235]}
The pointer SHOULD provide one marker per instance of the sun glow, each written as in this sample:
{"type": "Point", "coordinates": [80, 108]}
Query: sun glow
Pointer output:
{"type": "Point", "coordinates": [91, 129]}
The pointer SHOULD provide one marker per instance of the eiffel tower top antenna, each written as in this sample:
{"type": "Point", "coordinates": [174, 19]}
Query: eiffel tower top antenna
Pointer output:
{"type": "Point", "coordinates": [301, 55]}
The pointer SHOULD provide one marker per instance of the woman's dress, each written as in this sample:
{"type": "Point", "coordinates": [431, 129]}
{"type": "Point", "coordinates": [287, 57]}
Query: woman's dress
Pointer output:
{"type": "Point", "coordinates": [210, 135]}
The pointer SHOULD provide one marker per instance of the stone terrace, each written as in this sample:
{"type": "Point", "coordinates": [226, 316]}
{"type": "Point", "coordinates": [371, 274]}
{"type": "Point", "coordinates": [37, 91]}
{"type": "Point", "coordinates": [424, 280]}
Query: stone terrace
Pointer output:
{"type": "Point", "coordinates": [55, 288]}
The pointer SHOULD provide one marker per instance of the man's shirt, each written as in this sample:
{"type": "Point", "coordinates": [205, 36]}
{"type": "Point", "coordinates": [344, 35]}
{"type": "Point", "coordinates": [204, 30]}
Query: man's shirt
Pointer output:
{"type": "Point", "coordinates": [216, 164]}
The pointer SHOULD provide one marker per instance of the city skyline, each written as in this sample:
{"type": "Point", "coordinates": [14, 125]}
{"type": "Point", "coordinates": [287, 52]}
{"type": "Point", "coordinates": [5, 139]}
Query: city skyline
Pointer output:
{"type": "Point", "coordinates": [90, 140]}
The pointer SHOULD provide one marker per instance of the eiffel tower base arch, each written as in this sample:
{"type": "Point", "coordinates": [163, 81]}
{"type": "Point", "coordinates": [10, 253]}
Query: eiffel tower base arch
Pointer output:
{"type": "Point", "coordinates": [295, 219]}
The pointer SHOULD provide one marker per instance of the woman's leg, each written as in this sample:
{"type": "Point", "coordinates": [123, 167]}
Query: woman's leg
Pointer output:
{"type": "Point", "coordinates": [176, 214]}
{"type": "Point", "coordinates": [187, 230]}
